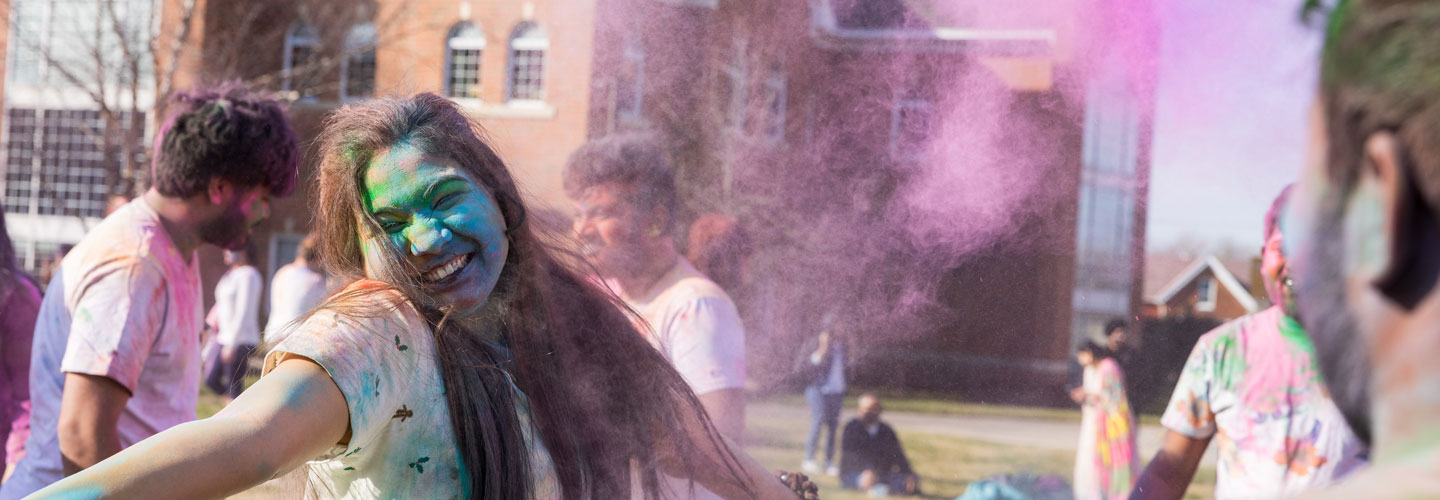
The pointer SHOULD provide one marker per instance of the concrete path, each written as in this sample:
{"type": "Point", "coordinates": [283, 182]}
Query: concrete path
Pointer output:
{"type": "Point", "coordinates": [1061, 435]}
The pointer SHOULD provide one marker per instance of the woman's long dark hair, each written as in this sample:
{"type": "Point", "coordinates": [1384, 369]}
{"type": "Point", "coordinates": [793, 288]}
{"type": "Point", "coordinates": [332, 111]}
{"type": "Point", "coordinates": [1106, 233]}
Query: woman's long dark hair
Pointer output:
{"type": "Point", "coordinates": [600, 395]}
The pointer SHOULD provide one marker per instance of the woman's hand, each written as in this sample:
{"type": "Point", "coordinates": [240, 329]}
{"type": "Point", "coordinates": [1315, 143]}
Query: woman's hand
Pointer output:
{"type": "Point", "coordinates": [801, 485]}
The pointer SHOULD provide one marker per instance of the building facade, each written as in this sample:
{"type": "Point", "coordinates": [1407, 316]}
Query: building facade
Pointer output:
{"type": "Point", "coordinates": [819, 125]}
{"type": "Point", "coordinates": [520, 68]}
{"type": "Point", "coordinates": [834, 130]}
{"type": "Point", "coordinates": [1206, 288]}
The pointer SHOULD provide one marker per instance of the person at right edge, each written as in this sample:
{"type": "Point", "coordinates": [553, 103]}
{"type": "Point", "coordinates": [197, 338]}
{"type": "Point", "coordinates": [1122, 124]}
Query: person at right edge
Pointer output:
{"type": "Point", "coordinates": [1366, 225]}
{"type": "Point", "coordinates": [1254, 382]}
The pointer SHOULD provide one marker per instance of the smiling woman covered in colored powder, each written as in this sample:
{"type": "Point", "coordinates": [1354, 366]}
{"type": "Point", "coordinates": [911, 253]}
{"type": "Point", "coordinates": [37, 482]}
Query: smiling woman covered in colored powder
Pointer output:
{"type": "Point", "coordinates": [466, 359]}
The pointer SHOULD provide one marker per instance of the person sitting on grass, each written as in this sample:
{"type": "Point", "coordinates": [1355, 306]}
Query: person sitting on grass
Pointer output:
{"type": "Point", "coordinates": [872, 457]}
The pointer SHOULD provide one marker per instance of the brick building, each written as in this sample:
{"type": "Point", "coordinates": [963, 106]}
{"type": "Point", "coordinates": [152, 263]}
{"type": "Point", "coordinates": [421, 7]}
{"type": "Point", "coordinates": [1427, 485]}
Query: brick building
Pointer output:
{"type": "Point", "coordinates": [520, 68]}
{"type": "Point", "coordinates": [764, 106]}
{"type": "Point", "coordinates": [1206, 288]}
{"type": "Point", "coordinates": [814, 122]}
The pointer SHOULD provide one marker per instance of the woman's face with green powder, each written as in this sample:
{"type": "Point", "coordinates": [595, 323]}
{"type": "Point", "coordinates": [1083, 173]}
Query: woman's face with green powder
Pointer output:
{"type": "Point", "coordinates": [444, 223]}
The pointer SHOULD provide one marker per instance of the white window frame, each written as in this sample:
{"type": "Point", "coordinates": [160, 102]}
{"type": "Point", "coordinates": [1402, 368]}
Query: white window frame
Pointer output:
{"type": "Point", "coordinates": [293, 40]}
{"type": "Point", "coordinates": [1206, 293]}
{"type": "Point", "coordinates": [634, 55]}
{"type": "Point", "coordinates": [738, 79]}
{"type": "Point", "coordinates": [458, 39]}
{"type": "Point", "coordinates": [523, 37]}
{"type": "Point", "coordinates": [359, 40]}
{"type": "Point", "coordinates": [776, 88]}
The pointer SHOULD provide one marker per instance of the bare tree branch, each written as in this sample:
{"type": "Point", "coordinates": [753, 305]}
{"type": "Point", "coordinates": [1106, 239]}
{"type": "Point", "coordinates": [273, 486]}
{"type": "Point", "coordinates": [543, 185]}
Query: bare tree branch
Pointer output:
{"type": "Point", "coordinates": [167, 79]}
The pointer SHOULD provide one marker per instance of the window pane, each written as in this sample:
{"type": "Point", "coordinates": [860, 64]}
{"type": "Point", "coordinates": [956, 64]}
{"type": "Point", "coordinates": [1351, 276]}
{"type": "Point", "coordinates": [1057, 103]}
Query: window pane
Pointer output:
{"type": "Point", "coordinates": [527, 72]}
{"type": "Point", "coordinates": [69, 173]}
{"type": "Point", "coordinates": [464, 73]}
{"type": "Point", "coordinates": [360, 75]}
{"type": "Point", "coordinates": [304, 75]}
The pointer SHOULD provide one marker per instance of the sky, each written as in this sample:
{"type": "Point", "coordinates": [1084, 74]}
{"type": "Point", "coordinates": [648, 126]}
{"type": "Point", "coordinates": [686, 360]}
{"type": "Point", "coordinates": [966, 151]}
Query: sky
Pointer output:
{"type": "Point", "coordinates": [1235, 86]}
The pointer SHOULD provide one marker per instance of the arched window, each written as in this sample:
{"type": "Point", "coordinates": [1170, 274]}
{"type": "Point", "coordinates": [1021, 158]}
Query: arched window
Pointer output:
{"type": "Point", "coordinates": [630, 80]}
{"type": "Point", "coordinates": [357, 69]}
{"type": "Point", "coordinates": [773, 125]}
{"type": "Point", "coordinates": [525, 78]}
{"type": "Point", "coordinates": [463, 50]}
{"type": "Point", "coordinates": [302, 45]}
{"type": "Point", "coordinates": [734, 85]}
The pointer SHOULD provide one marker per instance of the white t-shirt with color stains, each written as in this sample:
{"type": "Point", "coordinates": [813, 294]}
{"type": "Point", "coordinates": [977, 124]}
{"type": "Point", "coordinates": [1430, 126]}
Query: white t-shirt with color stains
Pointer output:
{"type": "Point", "coordinates": [402, 444]}
{"type": "Point", "coordinates": [126, 306]}
{"type": "Point", "coordinates": [1254, 386]}
{"type": "Point", "coordinates": [695, 325]}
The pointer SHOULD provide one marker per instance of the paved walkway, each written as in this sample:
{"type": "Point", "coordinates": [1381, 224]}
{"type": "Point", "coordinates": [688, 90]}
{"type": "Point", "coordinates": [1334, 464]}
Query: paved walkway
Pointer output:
{"type": "Point", "coordinates": [1062, 435]}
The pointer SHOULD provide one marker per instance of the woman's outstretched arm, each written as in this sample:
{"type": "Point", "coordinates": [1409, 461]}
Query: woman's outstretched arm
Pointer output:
{"type": "Point", "coordinates": [292, 415]}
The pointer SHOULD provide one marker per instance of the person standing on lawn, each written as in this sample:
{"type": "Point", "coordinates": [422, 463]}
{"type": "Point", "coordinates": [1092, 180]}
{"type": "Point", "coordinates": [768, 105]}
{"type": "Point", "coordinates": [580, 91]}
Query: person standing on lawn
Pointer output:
{"type": "Point", "coordinates": [626, 205]}
{"type": "Point", "coordinates": [116, 357]}
{"type": "Point", "coordinates": [822, 363]}
{"type": "Point", "coordinates": [297, 288]}
{"type": "Point", "coordinates": [237, 318]}
{"type": "Point", "coordinates": [1254, 382]}
{"type": "Point", "coordinates": [19, 304]}
{"type": "Point", "coordinates": [1105, 465]}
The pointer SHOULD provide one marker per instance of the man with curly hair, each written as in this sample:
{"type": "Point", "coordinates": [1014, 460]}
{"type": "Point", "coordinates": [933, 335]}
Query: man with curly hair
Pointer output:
{"type": "Point", "coordinates": [116, 356]}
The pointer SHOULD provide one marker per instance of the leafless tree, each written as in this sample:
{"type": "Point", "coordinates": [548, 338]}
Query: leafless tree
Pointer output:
{"type": "Point", "coordinates": [128, 59]}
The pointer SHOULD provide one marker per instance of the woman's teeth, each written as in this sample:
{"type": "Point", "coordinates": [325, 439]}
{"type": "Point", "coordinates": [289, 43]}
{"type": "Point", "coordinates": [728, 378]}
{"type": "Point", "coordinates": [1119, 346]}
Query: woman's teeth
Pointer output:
{"type": "Point", "coordinates": [449, 268]}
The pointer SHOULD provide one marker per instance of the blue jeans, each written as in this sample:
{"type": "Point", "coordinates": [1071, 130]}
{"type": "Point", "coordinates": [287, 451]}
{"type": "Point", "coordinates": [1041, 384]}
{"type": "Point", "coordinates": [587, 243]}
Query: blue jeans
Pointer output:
{"type": "Point", "coordinates": [228, 379]}
{"type": "Point", "coordinates": [824, 411]}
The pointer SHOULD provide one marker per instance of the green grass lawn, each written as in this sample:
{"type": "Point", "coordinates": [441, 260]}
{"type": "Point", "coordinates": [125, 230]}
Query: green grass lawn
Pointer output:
{"type": "Point", "coordinates": [933, 404]}
{"type": "Point", "coordinates": [947, 465]}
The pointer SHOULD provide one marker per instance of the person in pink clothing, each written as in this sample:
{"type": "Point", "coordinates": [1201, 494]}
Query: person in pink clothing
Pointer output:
{"type": "Point", "coordinates": [1253, 385]}
{"type": "Point", "coordinates": [19, 303]}
{"type": "Point", "coordinates": [1105, 461]}
{"type": "Point", "coordinates": [116, 354]}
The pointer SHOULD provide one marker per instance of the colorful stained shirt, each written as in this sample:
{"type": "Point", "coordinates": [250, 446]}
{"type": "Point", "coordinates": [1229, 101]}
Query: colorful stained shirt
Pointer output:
{"type": "Point", "coordinates": [402, 444]}
{"type": "Point", "coordinates": [1105, 465]}
{"type": "Point", "coordinates": [125, 305]}
{"type": "Point", "coordinates": [1254, 385]}
{"type": "Point", "coordinates": [695, 325]}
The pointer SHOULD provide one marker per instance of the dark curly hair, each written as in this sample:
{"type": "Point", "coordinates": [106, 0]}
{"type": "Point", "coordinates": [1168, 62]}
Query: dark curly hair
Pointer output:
{"type": "Point", "coordinates": [636, 160]}
{"type": "Point", "coordinates": [229, 132]}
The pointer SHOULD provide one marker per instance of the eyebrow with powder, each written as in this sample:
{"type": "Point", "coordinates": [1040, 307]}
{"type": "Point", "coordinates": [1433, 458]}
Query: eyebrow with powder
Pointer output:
{"type": "Point", "coordinates": [383, 204]}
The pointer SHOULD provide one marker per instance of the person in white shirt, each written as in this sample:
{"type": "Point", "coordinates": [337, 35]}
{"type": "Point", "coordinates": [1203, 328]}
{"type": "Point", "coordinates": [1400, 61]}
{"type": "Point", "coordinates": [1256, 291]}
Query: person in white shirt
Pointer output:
{"type": "Point", "coordinates": [626, 203]}
{"type": "Point", "coordinates": [116, 356]}
{"type": "Point", "coordinates": [296, 289]}
{"type": "Point", "coordinates": [237, 314]}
